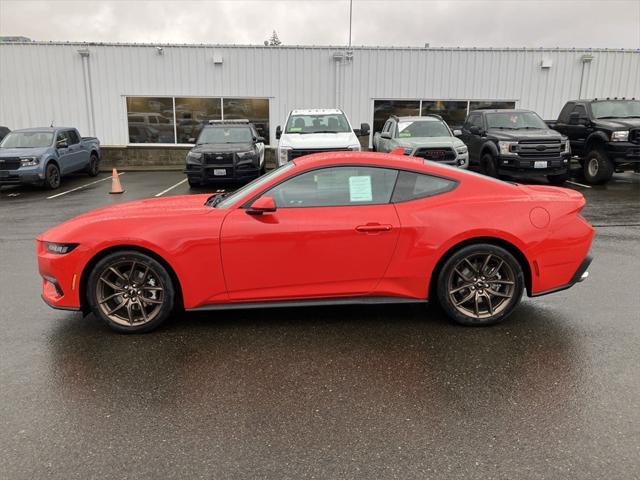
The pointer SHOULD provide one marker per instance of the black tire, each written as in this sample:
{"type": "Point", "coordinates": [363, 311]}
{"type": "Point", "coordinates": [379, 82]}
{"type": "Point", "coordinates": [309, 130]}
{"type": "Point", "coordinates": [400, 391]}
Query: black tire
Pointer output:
{"type": "Point", "coordinates": [558, 179]}
{"type": "Point", "coordinates": [598, 169]}
{"type": "Point", "coordinates": [52, 176]}
{"type": "Point", "coordinates": [193, 183]}
{"type": "Point", "coordinates": [506, 281]}
{"type": "Point", "coordinates": [488, 165]}
{"type": "Point", "coordinates": [121, 303]}
{"type": "Point", "coordinates": [93, 169]}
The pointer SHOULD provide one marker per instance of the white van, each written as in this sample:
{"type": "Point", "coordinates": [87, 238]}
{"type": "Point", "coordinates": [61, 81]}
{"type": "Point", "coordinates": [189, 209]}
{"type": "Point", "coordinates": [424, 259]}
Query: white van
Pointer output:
{"type": "Point", "coordinates": [316, 130]}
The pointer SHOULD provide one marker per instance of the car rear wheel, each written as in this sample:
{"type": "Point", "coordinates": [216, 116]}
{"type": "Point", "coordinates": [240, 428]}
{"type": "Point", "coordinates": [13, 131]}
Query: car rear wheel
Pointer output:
{"type": "Point", "coordinates": [52, 176]}
{"type": "Point", "coordinates": [480, 285]}
{"type": "Point", "coordinates": [488, 164]}
{"type": "Point", "coordinates": [131, 292]}
{"type": "Point", "coordinates": [597, 167]}
{"type": "Point", "coordinates": [93, 169]}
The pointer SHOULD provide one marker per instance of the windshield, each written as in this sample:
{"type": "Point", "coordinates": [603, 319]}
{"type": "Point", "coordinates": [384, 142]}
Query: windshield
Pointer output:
{"type": "Point", "coordinates": [253, 186]}
{"type": "Point", "coordinates": [27, 140]}
{"type": "Point", "coordinates": [329, 123]}
{"type": "Point", "coordinates": [616, 109]}
{"type": "Point", "coordinates": [423, 128]}
{"type": "Point", "coordinates": [515, 121]}
{"type": "Point", "coordinates": [226, 135]}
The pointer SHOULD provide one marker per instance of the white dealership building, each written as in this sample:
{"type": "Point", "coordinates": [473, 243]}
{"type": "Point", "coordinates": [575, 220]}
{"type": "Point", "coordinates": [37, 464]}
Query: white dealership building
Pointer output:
{"type": "Point", "coordinates": [134, 95]}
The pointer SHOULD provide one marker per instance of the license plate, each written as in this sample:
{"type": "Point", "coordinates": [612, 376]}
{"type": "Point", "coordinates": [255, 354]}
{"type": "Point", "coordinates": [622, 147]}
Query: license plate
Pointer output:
{"type": "Point", "coordinates": [540, 164]}
{"type": "Point", "coordinates": [219, 172]}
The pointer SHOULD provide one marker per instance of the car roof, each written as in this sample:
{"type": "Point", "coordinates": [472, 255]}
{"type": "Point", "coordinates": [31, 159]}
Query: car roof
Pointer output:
{"type": "Point", "coordinates": [316, 111]}
{"type": "Point", "coordinates": [43, 129]}
{"type": "Point", "coordinates": [502, 110]}
{"type": "Point", "coordinates": [428, 118]}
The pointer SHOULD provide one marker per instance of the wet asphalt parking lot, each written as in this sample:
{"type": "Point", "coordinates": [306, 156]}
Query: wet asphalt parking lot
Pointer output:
{"type": "Point", "coordinates": [335, 392]}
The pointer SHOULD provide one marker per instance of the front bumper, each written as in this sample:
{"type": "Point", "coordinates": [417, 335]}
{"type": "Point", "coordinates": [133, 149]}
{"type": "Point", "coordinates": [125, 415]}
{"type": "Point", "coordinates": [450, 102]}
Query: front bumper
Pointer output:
{"type": "Point", "coordinates": [623, 152]}
{"type": "Point", "coordinates": [60, 277]}
{"type": "Point", "coordinates": [20, 176]}
{"type": "Point", "coordinates": [516, 165]}
{"type": "Point", "coordinates": [232, 173]}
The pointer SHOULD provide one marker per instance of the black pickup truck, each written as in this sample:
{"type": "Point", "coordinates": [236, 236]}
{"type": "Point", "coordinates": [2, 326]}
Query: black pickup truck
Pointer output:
{"type": "Point", "coordinates": [604, 133]}
{"type": "Point", "coordinates": [515, 143]}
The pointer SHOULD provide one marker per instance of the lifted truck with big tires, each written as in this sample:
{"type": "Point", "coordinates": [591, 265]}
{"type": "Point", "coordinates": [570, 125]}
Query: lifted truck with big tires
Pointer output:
{"type": "Point", "coordinates": [604, 133]}
{"type": "Point", "coordinates": [515, 143]}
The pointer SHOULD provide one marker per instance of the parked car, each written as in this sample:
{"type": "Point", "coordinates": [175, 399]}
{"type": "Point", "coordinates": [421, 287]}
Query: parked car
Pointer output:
{"type": "Point", "coordinates": [515, 142]}
{"type": "Point", "coordinates": [316, 130]}
{"type": "Point", "coordinates": [605, 133]}
{"type": "Point", "coordinates": [330, 228]}
{"type": "Point", "coordinates": [3, 132]}
{"type": "Point", "coordinates": [428, 137]}
{"type": "Point", "coordinates": [42, 156]}
{"type": "Point", "coordinates": [229, 150]}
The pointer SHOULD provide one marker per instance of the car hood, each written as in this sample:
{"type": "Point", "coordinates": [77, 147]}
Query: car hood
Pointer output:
{"type": "Point", "coordinates": [618, 123]}
{"type": "Point", "coordinates": [529, 134]}
{"type": "Point", "coordinates": [163, 209]}
{"type": "Point", "coordinates": [429, 142]}
{"type": "Point", "coordinates": [222, 147]}
{"type": "Point", "coordinates": [22, 152]}
{"type": "Point", "coordinates": [318, 140]}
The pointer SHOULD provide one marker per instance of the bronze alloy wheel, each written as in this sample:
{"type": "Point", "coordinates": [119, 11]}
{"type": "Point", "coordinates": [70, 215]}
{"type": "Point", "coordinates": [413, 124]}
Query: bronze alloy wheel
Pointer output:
{"type": "Point", "coordinates": [481, 285]}
{"type": "Point", "coordinates": [130, 292]}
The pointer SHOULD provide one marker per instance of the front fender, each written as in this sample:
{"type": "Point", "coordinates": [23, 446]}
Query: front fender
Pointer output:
{"type": "Point", "coordinates": [594, 138]}
{"type": "Point", "coordinates": [490, 147]}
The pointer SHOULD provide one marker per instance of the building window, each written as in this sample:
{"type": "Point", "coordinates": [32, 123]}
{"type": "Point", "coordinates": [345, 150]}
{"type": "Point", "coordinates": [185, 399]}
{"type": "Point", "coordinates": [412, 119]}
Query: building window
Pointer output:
{"type": "Point", "coordinates": [452, 111]}
{"type": "Point", "coordinates": [256, 110]}
{"type": "Point", "coordinates": [383, 109]}
{"type": "Point", "coordinates": [150, 120]}
{"type": "Point", "coordinates": [490, 105]}
{"type": "Point", "coordinates": [154, 120]}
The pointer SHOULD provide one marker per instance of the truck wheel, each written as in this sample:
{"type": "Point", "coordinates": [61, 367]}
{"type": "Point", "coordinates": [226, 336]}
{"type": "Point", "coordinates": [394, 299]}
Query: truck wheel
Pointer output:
{"type": "Point", "coordinates": [558, 179]}
{"type": "Point", "coordinates": [52, 177]}
{"type": "Point", "coordinates": [193, 183]}
{"type": "Point", "coordinates": [488, 165]}
{"type": "Point", "coordinates": [93, 169]}
{"type": "Point", "coordinates": [598, 168]}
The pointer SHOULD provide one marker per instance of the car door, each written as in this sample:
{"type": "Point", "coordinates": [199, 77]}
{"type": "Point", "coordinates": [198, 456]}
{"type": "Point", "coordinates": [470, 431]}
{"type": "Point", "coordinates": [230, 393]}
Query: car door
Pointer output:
{"type": "Point", "coordinates": [259, 146]}
{"type": "Point", "coordinates": [578, 132]}
{"type": "Point", "coordinates": [333, 235]}
{"type": "Point", "coordinates": [77, 152]}
{"type": "Point", "coordinates": [65, 155]}
{"type": "Point", "coordinates": [383, 143]}
{"type": "Point", "coordinates": [473, 140]}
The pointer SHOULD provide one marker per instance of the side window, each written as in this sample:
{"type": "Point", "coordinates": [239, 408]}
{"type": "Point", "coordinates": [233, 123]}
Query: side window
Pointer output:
{"type": "Point", "coordinates": [336, 186]}
{"type": "Point", "coordinates": [73, 137]}
{"type": "Point", "coordinates": [60, 136]}
{"type": "Point", "coordinates": [564, 113]}
{"type": "Point", "coordinates": [387, 126]}
{"type": "Point", "coordinates": [581, 111]}
{"type": "Point", "coordinates": [411, 185]}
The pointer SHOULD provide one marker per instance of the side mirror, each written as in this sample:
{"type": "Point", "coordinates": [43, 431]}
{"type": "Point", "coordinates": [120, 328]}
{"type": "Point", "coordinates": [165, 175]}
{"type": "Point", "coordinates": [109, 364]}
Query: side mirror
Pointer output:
{"type": "Point", "coordinates": [457, 132]}
{"type": "Point", "coordinates": [62, 144]}
{"type": "Point", "coordinates": [386, 135]}
{"type": "Point", "coordinates": [475, 130]}
{"type": "Point", "coordinates": [278, 132]}
{"type": "Point", "coordinates": [364, 130]}
{"type": "Point", "coordinates": [264, 204]}
{"type": "Point", "coordinates": [574, 118]}
{"type": "Point", "coordinates": [259, 139]}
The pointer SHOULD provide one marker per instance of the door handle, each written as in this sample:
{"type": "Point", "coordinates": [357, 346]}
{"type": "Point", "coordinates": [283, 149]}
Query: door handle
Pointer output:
{"type": "Point", "coordinates": [373, 228]}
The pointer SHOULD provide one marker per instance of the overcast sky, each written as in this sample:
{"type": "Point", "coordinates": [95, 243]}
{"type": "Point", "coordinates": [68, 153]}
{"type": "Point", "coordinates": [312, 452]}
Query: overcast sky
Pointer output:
{"type": "Point", "coordinates": [465, 23]}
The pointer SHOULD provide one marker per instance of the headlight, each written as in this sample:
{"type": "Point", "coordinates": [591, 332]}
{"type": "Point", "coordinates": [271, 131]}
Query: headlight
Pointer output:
{"type": "Point", "coordinates": [60, 248]}
{"type": "Point", "coordinates": [248, 154]}
{"type": "Point", "coordinates": [567, 147]}
{"type": "Point", "coordinates": [507, 148]}
{"type": "Point", "coordinates": [408, 150]}
{"type": "Point", "coordinates": [462, 150]}
{"type": "Point", "coordinates": [283, 155]}
{"type": "Point", "coordinates": [194, 157]}
{"type": "Point", "coordinates": [29, 161]}
{"type": "Point", "coordinates": [620, 136]}
{"type": "Point", "coordinates": [355, 148]}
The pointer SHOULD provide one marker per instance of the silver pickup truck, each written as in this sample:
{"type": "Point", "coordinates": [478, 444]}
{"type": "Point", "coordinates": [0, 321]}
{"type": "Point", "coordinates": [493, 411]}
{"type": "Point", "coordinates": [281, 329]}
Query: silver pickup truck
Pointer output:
{"type": "Point", "coordinates": [428, 137]}
{"type": "Point", "coordinates": [42, 156]}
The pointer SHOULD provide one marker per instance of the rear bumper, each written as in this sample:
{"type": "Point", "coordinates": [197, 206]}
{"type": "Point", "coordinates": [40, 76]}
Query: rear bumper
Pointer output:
{"type": "Point", "coordinates": [515, 165]}
{"type": "Point", "coordinates": [580, 275]}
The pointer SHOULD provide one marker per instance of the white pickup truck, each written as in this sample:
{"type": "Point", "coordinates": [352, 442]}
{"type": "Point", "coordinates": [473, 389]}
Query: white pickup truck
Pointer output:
{"type": "Point", "coordinates": [316, 130]}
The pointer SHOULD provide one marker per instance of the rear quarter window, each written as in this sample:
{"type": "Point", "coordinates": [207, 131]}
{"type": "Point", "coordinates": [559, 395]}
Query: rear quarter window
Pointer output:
{"type": "Point", "coordinates": [412, 185]}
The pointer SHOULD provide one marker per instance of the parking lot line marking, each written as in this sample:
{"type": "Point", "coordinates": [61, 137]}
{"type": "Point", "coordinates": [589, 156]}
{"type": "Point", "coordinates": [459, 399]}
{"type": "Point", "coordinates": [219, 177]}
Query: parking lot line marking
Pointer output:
{"type": "Point", "coordinates": [82, 186]}
{"type": "Point", "coordinates": [170, 188]}
{"type": "Point", "coordinates": [578, 184]}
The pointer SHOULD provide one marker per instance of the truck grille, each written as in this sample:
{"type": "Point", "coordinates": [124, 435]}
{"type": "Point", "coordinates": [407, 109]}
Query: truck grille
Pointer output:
{"type": "Point", "coordinates": [222, 159]}
{"type": "Point", "coordinates": [300, 152]}
{"type": "Point", "coordinates": [539, 148]}
{"type": "Point", "coordinates": [9, 163]}
{"type": "Point", "coordinates": [436, 154]}
{"type": "Point", "coordinates": [634, 135]}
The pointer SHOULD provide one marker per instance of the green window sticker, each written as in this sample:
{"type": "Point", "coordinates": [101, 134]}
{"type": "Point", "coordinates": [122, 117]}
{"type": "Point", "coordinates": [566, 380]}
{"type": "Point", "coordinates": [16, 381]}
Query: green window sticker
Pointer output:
{"type": "Point", "coordinates": [404, 134]}
{"type": "Point", "coordinates": [295, 129]}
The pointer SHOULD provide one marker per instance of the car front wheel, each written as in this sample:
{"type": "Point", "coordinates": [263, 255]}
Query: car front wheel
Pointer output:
{"type": "Point", "coordinates": [480, 285]}
{"type": "Point", "coordinates": [131, 292]}
{"type": "Point", "coordinates": [52, 176]}
{"type": "Point", "coordinates": [597, 167]}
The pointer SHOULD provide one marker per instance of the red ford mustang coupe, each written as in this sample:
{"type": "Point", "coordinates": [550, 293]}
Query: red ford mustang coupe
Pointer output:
{"type": "Point", "coordinates": [330, 228]}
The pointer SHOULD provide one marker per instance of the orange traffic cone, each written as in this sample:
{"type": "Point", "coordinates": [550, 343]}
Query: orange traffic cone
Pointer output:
{"type": "Point", "coordinates": [115, 182]}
